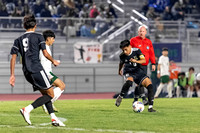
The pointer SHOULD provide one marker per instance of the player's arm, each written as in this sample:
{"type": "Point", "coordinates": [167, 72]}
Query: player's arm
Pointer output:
{"type": "Point", "coordinates": [12, 69]}
{"type": "Point", "coordinates": [141, 59]}
{"type": "Point", "coordinates": [120, 68]}
{"type": "Point", "coordinates": [158, 71]}
{"type": "Point", "coordinates": [49, 57]}
{"type": "Point", "coordinates": [152, 57]}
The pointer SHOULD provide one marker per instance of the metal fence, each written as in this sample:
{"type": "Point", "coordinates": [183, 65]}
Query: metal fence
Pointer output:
{"type": "Point", "coordinates": [109, 32]}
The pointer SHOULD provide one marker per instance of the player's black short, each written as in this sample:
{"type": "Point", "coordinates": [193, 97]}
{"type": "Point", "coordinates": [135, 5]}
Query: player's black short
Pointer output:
{"type": "Point", "coordinates": [39, 80]}
{"type": "Point", "coordinates": [138, 76]}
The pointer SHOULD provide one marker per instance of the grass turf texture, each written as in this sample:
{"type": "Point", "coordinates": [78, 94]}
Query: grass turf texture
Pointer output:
{"type": "Point", "coordinates": [91, 116]}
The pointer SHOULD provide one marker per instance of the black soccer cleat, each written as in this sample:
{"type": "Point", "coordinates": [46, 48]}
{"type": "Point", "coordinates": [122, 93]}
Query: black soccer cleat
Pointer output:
{"type": "Point", "coordinates": [118, 101]}
{"type": "Point", "coordinates": [151, 110]}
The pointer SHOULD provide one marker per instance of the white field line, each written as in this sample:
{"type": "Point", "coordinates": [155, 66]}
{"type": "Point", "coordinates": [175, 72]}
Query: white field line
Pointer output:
{"type": "Point", "coordinates": [42, 126]}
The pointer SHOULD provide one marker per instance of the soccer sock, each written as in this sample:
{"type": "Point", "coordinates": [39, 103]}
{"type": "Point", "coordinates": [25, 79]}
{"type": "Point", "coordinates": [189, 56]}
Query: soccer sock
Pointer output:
{"type": "Point", "coordinates": [41, 100]}
{"type": "Point", "coordinates": [198, 93]}
{"type": "Point", "coordinates": [53, 116]}
{"type": "Point", "coordinates": [126, 87]}
{"type": "Point", "coordinates": [169, 89]}
{"type": "Point", "coordinates": [141, 89]}
{"type": "Point", "coordinates": [29, 108]}
{"type": "Point", "coordinates": [150, 94]}
{"type": "Point", "coordinates": [57, 92]}
{"type": "Point", "coordinates": [49, 107]}
{"type": "Point", "coordinates": [137, 93]}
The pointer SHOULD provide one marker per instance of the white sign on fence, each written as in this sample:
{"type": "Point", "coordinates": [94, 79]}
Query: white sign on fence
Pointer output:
{"type": "Point", "coordinates": [88, 52]}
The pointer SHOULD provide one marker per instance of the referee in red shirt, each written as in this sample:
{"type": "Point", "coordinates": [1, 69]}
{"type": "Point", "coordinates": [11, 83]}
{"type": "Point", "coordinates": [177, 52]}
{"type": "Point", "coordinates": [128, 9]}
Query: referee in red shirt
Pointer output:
{"type": "Point", "coordinates": [145, 45]}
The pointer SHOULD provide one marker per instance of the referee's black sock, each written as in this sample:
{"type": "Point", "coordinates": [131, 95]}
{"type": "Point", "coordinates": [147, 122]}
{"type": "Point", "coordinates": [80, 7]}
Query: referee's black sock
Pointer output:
{"type": "Point", "coordinates": [41, 100]}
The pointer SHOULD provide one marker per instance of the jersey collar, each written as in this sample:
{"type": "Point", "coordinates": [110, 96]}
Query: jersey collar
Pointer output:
{"type": "Point", "coordinates": [28, 32]}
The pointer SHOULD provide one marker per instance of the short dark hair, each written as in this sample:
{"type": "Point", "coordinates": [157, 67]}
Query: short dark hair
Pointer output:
{"type": "Point", "coordinates": [29, 21]}
{"type": "Point", "coordinates": [48, 33]}
{"type": "Point", "coordinates": [165, 49]}
{"type": "Point", "coordinates": [124, 43]}
{"type": "Point", "coordinates": [191, 68]}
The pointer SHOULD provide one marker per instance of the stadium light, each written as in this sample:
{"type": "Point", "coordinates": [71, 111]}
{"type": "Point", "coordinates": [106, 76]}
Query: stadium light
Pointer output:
{"type": "Point", "coordinates": [120, 1]}
{"type": "Point", "coordinates": [139, 14]}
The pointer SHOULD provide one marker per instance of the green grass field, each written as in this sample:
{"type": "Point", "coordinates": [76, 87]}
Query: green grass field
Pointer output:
{"type": "Point", "coordinates": [93, 116]}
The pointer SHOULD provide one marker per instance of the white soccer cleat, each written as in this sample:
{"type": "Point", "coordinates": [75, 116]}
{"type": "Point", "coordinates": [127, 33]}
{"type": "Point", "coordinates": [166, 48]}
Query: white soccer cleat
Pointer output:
{"type": "Point", "coordinates": [26, 115]}
{"type": "Point", "coordinates": [57, 123]}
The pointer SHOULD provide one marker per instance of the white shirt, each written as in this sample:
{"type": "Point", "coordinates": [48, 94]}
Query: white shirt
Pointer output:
{"type": "Point", "coordinates": [46, 63]}
{"type": "Point", "coordinates": [164, 65]}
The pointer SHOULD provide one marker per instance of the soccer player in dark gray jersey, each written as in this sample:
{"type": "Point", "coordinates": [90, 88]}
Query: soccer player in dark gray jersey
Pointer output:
{"type": "Point", "coordinates": [130, 61]}
{"type": "Point", "coordinates": [29, 46]}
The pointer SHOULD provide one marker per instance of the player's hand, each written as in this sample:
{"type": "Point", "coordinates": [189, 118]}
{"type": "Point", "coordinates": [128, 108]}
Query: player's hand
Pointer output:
{"type": "Point", "coordinates": [120, 73]}
{"type": "Point", "coordinates": [12, 80]}
{"type": "Point", "coordinates": [153, 67]}
{"type": "Point", "coordinates": [158, 75]}
{"type": "Point", "coordinates": [133, 60]}
{"type": "Point", "coordinates": [56, 62]}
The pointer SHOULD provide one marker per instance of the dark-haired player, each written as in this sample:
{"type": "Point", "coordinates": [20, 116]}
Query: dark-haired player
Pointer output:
{"type": "Point", "coordinates": [131, 60]}
{"type": "Point", "coordinates": [29, 45]}
{"type": "Point", "coordinates": [49, 37]}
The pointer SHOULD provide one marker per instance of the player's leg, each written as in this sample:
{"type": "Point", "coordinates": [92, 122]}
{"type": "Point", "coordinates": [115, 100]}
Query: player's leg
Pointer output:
{"type": "Point", "coordinates": [60, 87]}
{"type": "Point", "coordinates": [38, 102]}
{"type": "Point", "coordinates": [169, 88]}
{"type": "Point", "coordinates": [54, 119]}
{"type": "Point", "coordinates": [147, 83]}
{"type": "Point", "coordinates": [136, 94]}
{"type": "Point", "coordinates": [124, 90]}
{"type": "Point", "coordinates": [40, 82]}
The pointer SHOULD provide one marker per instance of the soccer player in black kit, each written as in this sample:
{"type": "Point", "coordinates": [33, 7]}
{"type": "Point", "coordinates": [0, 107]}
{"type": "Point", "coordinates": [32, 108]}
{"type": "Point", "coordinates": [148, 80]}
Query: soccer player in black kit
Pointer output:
{"type": "Point", "coordinates": [131, 60]}
{"type": "Point", "coordinates": [29, 46]}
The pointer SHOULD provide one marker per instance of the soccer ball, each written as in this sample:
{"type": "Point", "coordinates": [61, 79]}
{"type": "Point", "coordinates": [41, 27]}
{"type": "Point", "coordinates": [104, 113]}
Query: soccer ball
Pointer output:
{"type": "Point", "coordinates": [138, 106]}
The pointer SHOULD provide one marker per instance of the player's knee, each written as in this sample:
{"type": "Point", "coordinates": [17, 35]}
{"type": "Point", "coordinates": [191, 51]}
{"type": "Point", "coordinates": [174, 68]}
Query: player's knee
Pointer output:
{"type": "Point", "coordinates": [63, 86]}
{"type": "Point", "coordinates": [129, 83]}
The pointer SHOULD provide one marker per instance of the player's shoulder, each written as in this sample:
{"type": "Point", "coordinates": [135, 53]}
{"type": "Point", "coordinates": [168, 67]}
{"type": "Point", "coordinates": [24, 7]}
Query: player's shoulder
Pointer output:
{"type": "Point", "coordinates": [135, 49]}
{"type": "Point", "coordinates": [122, 55]}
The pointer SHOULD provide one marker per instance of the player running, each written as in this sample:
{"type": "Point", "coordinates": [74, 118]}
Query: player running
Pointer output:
{"type": "Point", "coordinates": [131, 60]}
{"type": "Point", "coordinates": [29, 45]}
{"type": "Point", "coordinates": [49, 37]}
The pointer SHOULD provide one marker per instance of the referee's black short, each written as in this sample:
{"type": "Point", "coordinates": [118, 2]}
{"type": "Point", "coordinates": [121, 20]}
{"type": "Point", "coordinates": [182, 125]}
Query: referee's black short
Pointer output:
{"type": "Point", "coordinates": [138, 76]}
{"type": "Point", "coordinates": [39, 80]}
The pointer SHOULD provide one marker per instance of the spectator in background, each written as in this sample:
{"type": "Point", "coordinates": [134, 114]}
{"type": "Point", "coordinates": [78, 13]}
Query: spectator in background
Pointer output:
{"type": "Point", "coordinates": [181, 86]}
{"type": "Point", "coordinates": [45, 12]}
{"type": "Point", "coordinates": [178, 10]}
{"type": "Point", "coordinates": [159, 5]}
{"type": "Point", "coordinates": [145, 8]}
{"type": "Point", "coordinates": [163, 73]}
{"type": "Point", "coordinates": [94, 12]}
{"type": "Point", "coordinates": [190, 81]}
{"type": "Point", "coordinates": [100, 23]}
{"type": "Point", "coordinates": [61, 9]}
{"type": "Point", "coordinates": [37, 7]}
{"type": "Point", "coordinates": [112, 11]}
{"type": "Point", "coordinates": [26, 10]}
{"type": "Point", "coordinates": [69, 3]}
{"type": "Point", "coordinates": [4, 13]}
{"type": "Point", "coordinates": [151, 14]}
{"type": "Point", "coordinates": [167, 15]}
